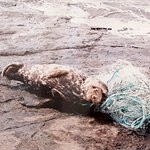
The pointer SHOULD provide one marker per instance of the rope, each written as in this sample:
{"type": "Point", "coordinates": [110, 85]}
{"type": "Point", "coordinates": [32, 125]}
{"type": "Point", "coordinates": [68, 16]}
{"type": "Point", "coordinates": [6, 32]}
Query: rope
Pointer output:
{"type": "Point", "coordinates": [128, 101]}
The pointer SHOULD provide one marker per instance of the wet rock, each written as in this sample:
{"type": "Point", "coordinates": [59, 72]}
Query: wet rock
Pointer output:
{"type": "Point", "coordinates": [68, 32]}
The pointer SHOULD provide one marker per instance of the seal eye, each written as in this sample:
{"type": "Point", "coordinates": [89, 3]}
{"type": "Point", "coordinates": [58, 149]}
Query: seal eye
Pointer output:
{"type": "Point", "coordinates": [94, 87]}
{"type": "Point", "coordinates": [83, 91]}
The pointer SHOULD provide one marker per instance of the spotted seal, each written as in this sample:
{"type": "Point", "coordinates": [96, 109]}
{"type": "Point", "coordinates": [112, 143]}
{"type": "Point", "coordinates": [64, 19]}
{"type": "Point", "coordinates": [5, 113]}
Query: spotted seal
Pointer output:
{"type": "Point", "coordinates": [56, 80]}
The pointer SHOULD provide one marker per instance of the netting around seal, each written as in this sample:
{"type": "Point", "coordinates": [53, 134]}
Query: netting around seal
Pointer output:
{"type": "Point", "coordinates": [128, 101]}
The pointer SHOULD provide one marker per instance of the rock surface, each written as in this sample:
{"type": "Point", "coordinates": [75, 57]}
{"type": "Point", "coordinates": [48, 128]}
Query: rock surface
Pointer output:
{"type": "Point", "coordinates": [87, 35]}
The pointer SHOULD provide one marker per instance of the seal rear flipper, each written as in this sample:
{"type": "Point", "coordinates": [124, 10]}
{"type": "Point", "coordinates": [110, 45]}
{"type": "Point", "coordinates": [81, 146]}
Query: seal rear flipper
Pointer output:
{"type": "Point", "coordinates": [11, 71]}
{"type": "Point", "coordinates": [56, 73]}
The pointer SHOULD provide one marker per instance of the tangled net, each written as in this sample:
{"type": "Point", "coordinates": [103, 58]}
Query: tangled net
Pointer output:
{"type": "Point", "coordinates": [128, 101]}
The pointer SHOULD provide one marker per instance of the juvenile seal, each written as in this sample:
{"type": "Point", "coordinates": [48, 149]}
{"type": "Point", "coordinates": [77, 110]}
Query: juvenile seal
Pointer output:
{"type": "Point", "coordinates": [57, 81]}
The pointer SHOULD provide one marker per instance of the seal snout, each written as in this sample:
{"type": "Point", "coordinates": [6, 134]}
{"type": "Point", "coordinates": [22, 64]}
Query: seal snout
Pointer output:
{"type": "Point", "coordinates": [11, 69]}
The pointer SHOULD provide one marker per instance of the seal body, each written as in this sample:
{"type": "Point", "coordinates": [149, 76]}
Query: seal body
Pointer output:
{"type": "Point", "coordinates": [50, 80]}
{"type": "Point", "coordinates": [57, 81]}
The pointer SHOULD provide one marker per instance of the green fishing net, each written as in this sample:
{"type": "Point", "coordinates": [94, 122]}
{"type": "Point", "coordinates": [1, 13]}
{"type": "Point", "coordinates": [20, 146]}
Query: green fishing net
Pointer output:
{"type": "Point", "coordinates": [128, 101]}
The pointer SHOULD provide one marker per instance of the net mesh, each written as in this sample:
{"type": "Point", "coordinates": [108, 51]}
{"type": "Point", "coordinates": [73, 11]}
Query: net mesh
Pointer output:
{"type": "Point", "coordinates": [128, 100]}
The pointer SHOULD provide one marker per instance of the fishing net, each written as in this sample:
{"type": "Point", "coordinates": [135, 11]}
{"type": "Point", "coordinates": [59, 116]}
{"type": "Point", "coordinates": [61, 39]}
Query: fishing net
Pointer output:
{"type": "Point", "coordinates": [128, 101]}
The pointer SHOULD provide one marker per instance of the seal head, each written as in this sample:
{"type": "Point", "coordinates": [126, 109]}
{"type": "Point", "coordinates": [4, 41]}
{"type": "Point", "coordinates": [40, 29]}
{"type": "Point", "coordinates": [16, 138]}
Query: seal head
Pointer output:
{"type": "Point", "coordinates": [94, 90]}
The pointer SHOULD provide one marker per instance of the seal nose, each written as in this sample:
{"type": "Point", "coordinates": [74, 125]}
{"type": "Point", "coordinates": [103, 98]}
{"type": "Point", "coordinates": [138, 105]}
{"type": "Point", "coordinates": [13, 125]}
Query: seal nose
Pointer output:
{"type": "Point", "coordinates": [97, 97]}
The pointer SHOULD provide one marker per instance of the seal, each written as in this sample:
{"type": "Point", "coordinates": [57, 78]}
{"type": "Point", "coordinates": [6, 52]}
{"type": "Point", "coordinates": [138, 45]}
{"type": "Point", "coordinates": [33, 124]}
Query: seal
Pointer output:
{"type": "Point", "coordinates": [57, 81]}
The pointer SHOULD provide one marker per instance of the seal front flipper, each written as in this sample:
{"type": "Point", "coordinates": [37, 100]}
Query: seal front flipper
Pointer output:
{"type": "Point", "coordinates": [11, 71]}
{"type": "Point", "coordinates": [58, 72]}
{"type": "Point", "coordinates": [57, 94]}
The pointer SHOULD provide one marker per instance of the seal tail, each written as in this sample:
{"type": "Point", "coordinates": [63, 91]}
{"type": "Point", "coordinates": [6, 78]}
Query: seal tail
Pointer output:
{"type": "Point", "coordinates": [10, 70]}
